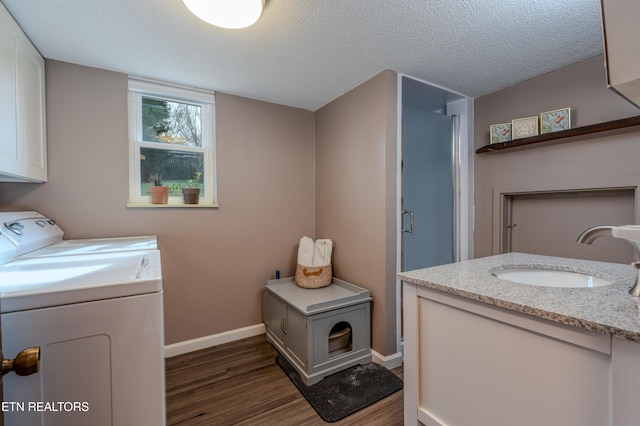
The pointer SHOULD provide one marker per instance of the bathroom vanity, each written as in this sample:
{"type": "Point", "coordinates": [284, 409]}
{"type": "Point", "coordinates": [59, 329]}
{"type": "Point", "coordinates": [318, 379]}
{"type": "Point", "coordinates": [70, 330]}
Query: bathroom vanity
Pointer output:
{"type": "Point", "coordinates": [484, 350]}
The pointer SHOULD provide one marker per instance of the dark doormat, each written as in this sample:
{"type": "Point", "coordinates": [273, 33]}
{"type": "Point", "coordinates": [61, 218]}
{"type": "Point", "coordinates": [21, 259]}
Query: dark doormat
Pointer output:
{"type": "Point", "coordinates": [342, 394]}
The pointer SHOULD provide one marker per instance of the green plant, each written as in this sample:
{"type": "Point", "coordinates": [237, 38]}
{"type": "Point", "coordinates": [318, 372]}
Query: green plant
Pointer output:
{"type": "Point", "coordinates": [195, 182]}
{"type": "Point", "coordinates": [155, 179]}
{"type": "Point", "coordinates": [175, 186]}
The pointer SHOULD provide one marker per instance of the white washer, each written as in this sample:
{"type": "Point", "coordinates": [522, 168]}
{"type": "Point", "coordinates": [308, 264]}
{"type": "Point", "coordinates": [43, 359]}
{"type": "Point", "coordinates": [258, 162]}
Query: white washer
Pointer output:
{"type": "Point", "coordinates": [35, 235]}
{"type": "Point", "coordinates": [98, 320]}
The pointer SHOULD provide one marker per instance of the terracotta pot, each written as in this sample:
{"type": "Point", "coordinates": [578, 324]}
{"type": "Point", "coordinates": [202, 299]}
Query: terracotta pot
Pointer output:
{"type": "Point", "coordinates": [191, 195]}
{"type": "Point", "coordinates": [159, 194]}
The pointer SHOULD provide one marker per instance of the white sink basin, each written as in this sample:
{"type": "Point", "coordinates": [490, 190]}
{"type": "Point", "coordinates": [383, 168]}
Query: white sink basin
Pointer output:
{"type": "Point", "coordinates": [550, 278]}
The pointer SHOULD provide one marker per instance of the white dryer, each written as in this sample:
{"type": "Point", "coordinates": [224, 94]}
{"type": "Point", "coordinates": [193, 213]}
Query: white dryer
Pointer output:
{"type": "Point", "coordinates": [97, 318]}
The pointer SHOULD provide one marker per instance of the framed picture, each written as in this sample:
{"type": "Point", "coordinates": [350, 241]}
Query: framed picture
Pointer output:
{"type": "Point", "coordinates": [500, 132]}
{"type": "Point", "coordinates": [554, 121]}
{"type": "Point", "coordinates": [524, 127]}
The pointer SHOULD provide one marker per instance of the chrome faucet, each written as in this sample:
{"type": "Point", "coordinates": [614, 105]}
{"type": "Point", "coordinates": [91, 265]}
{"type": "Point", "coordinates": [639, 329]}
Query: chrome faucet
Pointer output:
{"type": "Point", "coordinates": [589, 235]}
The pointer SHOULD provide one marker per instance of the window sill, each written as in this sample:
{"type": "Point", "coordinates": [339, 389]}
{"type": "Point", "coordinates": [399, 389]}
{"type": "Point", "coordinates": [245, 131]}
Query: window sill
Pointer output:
{"type": "Point", "coordinates": [187, 206]}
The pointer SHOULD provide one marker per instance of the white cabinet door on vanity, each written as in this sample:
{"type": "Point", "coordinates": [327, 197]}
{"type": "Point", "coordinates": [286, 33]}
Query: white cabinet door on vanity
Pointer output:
{"type": "Point", "coordinates": [472, 364]}
{"type": "Point", "coordinates": [625, 378]}
{"type": "Point", "coordinates": [23, 156]}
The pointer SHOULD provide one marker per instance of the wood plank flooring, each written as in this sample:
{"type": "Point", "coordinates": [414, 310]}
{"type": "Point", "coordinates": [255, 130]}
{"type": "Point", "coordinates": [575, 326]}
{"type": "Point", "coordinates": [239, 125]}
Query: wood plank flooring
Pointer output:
{"type": "Point", "coordinates": [240, 383]}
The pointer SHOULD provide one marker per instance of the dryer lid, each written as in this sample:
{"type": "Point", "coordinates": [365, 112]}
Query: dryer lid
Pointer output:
{"type": "Point", "coordinates": [54, 281]}
{"type": "Point", "coordinates": [96, 245]}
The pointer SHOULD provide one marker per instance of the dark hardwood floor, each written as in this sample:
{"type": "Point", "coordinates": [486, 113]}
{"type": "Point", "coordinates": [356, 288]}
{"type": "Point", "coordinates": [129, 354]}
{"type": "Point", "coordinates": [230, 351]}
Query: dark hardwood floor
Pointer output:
{"type": "Point", "coordinates": [240, 383]}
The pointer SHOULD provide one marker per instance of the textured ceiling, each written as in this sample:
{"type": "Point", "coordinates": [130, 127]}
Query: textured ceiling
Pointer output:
{"type": "Point", "coordinates": [305, 53]}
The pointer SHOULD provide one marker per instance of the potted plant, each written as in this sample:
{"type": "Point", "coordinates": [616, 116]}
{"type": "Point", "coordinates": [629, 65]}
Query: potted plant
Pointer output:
{"type": "Point", "coordinates": [191, 190]}
{"type": "Point", "coordinates": [159, 193]}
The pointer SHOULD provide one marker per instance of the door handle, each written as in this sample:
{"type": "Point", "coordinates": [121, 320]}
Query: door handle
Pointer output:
{"type": "Point", "coordinates": [27, 362]}
{"type": "Point", "coordinates": [410, 230]}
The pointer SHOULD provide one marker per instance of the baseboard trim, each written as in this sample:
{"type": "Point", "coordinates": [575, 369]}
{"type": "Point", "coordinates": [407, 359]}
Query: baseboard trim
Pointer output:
{"type": "Point", "coordinates": [390, 361]}
{"type": "Point", "coordinates": [213, 340]}
{"type": "Point", "coordinates": [175, 349]}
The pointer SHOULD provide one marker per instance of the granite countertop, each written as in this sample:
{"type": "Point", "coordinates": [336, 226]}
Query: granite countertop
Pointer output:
{"type": "Point", "coordinates": [607, 309]}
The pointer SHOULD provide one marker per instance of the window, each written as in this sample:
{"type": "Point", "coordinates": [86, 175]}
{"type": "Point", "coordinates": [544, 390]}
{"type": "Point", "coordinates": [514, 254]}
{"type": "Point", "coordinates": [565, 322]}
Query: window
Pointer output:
{"type": "Point", "coordinates": [171, 136]}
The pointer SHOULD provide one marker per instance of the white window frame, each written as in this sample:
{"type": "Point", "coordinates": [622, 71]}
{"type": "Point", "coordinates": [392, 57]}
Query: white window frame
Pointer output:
{"type": "Point", "coordinates": [206, 100]}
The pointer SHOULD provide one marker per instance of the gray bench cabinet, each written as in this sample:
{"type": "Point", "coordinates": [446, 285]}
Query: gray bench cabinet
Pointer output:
{"type": "Point", "coordinates": [319, 331]}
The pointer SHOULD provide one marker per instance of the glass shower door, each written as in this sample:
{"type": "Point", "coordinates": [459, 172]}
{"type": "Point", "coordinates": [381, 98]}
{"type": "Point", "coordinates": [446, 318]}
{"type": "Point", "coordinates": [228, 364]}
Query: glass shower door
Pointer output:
{"type": "Point", "coordinates": [427, 188]}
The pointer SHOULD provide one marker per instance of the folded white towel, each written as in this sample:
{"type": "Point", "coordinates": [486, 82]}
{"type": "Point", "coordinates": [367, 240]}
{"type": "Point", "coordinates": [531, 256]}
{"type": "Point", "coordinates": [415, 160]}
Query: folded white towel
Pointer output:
{"type": "Point", "coordinates": [322, 252]}
{"type": "Point", "coordinates": [305, 251]}
{"type": "Point", "coordinates": [312, 253]}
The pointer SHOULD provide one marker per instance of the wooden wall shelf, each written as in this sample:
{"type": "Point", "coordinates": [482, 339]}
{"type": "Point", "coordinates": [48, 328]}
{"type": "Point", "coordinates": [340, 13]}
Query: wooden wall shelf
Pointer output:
{"type": "Point", "coordinates": [563, 134]}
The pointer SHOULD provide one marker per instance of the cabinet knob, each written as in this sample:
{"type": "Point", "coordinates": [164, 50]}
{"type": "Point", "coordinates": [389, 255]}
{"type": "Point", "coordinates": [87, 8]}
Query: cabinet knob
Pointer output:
{"type": "Point", "coordinates": [25, 363]}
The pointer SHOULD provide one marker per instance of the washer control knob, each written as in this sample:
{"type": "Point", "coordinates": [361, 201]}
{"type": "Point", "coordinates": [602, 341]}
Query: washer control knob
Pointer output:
{"type": "Point", "coordinates": [15, 227]}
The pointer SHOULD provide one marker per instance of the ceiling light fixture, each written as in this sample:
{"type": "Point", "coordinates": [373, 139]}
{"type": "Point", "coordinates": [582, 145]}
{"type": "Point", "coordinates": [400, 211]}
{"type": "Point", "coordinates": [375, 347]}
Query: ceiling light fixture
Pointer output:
{"type": "Point", "coordinates": [227, 13]}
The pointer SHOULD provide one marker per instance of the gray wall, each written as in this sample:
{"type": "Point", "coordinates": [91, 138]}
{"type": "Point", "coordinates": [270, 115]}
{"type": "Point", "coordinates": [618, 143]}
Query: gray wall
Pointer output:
{"type": "Point", "coordinates": [597, 162]}
{"type": "Point", "coordinates": [356, 195]}
{"type": "Point", "coordinates": [215, 261]}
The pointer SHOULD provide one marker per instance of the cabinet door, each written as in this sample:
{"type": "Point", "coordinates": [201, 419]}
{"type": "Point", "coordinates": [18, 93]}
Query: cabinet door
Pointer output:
{"type": "Point", "coordinates": [621, 32]}
{"type": "Point", "coordinates": [112, 361]}
{"type": "Point", "coordinates": [10, 157]}
{"type": "Point", "coordinates": [626, 381]}
{"type": "Point", "coordinates": [505, 374]}
{"type": "Point", "coordinates": [277, 319]}
{"type": "Point", "coordinates": [31, 110]}
{"type": "Point", "coordinates": [297, 336]}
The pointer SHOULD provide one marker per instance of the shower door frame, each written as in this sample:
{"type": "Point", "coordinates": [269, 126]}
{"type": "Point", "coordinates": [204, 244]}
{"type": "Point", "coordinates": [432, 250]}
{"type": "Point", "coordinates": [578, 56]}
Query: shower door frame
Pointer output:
{"type": "Point", "coordinates": [462, 107]}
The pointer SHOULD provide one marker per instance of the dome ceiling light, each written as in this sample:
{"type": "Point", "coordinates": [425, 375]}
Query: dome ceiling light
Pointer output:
{"type": "Point", "coordinates": [231, 14]}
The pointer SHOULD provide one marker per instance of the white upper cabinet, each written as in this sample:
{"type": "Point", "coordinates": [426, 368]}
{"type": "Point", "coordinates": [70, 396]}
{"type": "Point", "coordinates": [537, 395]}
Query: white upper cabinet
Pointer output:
{"type": "Point", "coordinates": [23, 153]}
{"type": "Point", "coordinates": [622, 50]}
{"type": "Point", "coordinates": [10, 153]}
